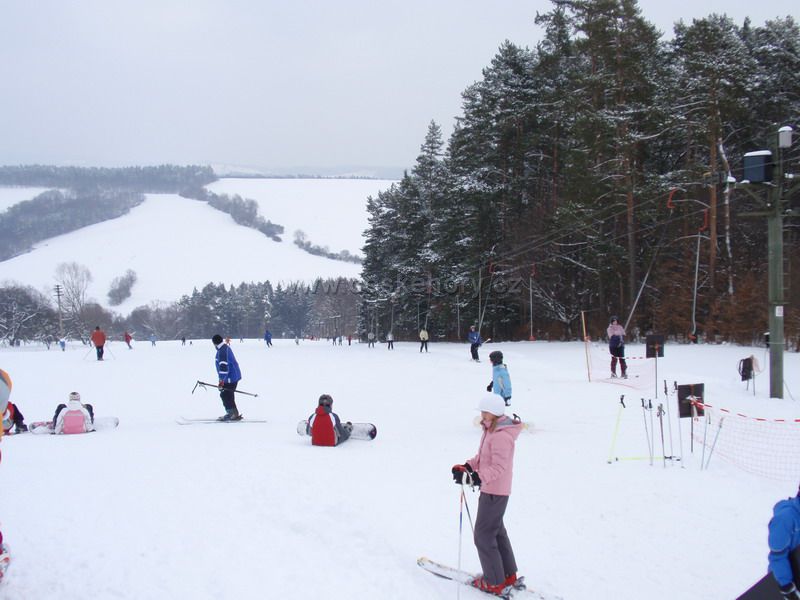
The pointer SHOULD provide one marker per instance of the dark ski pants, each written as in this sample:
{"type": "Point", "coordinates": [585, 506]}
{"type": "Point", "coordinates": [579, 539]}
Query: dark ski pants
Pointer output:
{"type": "Point", "coordinates": [491, 539]}
{"type": "Point", "coordinates": [618, 353]}
{"type": "Point", "coordinates": [473, 349]}
{"type": "Point", "coordinates": [228, 398]}
{"type": "Point", "coordinates": [99, 352]}
{"type": "Point", "coordinates": [423, 344]}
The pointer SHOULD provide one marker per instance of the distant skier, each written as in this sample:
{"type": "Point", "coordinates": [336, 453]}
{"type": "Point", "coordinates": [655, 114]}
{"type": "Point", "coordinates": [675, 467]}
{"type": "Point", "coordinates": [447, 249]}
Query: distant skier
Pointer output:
{"type": "Point", "coordinates": [152, 339]}
{"type": "Point", "coordinates": [475, 341]}
{"type": "Point", "coordinates": [325, 427]}
{"type": "Point", "coordinates": [229, 375]}
{"type": "Point", "coordinates": [99, 340]}
{"type": "Point", "coordinates": [10, 415]}
{"type": "Point", "coordinates": [784, 537]}
{"type": "Point", "coordinates": [74, 416]}
{"type": "Point", "coordinates": [268, 338]}
{"type": "Point", "coordinates": [492, 470]}
{"type": "Point", "coordinates": [390, 341]}
{"type": "Point", "coordinates": [423, 339]}
{"type": "Point", "coordinates": [128, 338]}
{"type": "Point", "coordinates": [616, 346]}
{"type": "Point", "coordinates": [501, 381]}
{"type": "Point", "coordinates": [371, 339]}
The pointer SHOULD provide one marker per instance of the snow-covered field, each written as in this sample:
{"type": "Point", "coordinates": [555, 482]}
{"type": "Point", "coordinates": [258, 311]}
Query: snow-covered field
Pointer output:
{"type": "Point", "coordinates": [154, 509]}
{"type": "Point", "coordinates": [11, 195]}
{"type": "Point", "coordinates": [175, 244]}
{"type": "Point", "coordinates": [334, 211]}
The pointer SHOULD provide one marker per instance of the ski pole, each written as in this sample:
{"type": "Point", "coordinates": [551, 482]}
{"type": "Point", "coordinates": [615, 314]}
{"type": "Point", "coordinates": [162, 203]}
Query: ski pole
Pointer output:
{"type": "Point", "coordinates": [204, 385]}
{"type": "Point", "coordinates": [661, 425]}
{"type": "Point", "coordinates": [616, 428]}
{"type": "Point", "coordinates": [460, 532]}
{"type": "Point", "coordinates": [714, 445]}
{"type": "Point", "coordinates": [469, 515]}
{"type": "Point", "coordinates": [646, 431]}
{"type": "Point", "coordinates": [652, 431]}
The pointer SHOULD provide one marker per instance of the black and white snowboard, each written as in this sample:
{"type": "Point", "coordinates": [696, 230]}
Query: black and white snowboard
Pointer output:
{"type": "Point", "coordinates": [767, 588]}
{"type": "Point", "coordinates": [518, 590]}
{"type": "Point", "coordinates": [100, 424]}
{"type": "Point", "coordinates": [187, 421]}
{"type": "Point", "coordinates": [361, 431]}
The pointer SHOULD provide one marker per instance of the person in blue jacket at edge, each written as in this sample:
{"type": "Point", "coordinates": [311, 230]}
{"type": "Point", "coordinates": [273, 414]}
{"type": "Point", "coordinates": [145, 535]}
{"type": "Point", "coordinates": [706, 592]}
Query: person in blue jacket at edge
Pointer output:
{"type": "Point", "coordinates": [784, 537]}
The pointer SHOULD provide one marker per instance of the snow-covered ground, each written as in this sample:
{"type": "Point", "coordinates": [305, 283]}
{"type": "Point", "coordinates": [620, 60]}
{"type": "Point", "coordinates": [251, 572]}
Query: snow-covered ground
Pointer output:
{"type": "Point", "coordinates": [11, 195]}
{"type": "Point", "coordinates": [154, 509]}
{"type": "Point", "coordinates": [334, 210]}
{"type": "Point", "coordinates": [175, 244]}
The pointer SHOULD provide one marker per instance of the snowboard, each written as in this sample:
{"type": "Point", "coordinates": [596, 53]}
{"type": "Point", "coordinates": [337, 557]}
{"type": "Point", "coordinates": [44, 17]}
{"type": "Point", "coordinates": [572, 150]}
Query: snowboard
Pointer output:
{"type": "Point", "coordinates": [767, 588]}
{"type": "Point", "coordinates": [186, 421]}
{"type": "Point", "coordinates": [100, 424]}
{"type": "Point", "coordinates": [518, 590]}
{"type": "Point", "coordinates": [361, 431]}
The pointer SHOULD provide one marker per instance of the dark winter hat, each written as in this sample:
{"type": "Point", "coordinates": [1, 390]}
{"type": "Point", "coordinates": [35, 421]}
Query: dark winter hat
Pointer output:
{"type": "Point", "coordinates": [325, 400]}
{"type": "Point", "coordinates": [74, 397]}
{"type": "Point", "coordinates": [614, 318]}
{"type": "Point", "coordinates": [496, 357]}
{"type": "Point", "coordinates": [217, 339]}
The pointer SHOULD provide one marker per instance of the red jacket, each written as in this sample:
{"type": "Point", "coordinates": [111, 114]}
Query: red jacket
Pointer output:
{"type": "Point", "coordinates": [98, 337]}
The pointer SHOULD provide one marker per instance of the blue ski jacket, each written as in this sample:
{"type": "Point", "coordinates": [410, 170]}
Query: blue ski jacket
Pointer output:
{"type": "Point", "coordinates": [473, 337]}
{"type": "Point", "coordinates": [784, 536]}
{"type": "Point", "coordinates": [227, 367]}
{"type": "Point", "coordinates": [501, 382]}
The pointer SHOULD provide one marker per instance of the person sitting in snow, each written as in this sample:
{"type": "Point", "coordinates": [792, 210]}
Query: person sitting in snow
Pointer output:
{"type": "Point", "coordinates": [10, 412]}
{"type": "Point", "coordinates": [325, 427]}
{"type": "Point", "coordinates": [74, 416]}
{"type": "Point", "coordinates": [501, 382]}
{"type": "Point", "coordinates": [784, 537]}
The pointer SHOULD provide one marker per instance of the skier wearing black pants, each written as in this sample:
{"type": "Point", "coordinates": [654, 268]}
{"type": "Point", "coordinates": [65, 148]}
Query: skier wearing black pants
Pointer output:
{"type": "Point", "coordinates": [495, 463]}
{"type": "Point", "coordinates": [229, 376]}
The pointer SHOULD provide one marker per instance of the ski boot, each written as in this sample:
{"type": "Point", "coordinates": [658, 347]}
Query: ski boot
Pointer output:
{"type": "Point", "coordinates": [613, 375]}
{"type": "Point", "coordinates": [231, 416]}
{"type": "Point", "coordinates": [498, 589]}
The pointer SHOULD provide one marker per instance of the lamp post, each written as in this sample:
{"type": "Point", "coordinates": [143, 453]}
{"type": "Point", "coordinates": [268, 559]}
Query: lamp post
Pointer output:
{"type": "Point", "coordinates": [762, 167]}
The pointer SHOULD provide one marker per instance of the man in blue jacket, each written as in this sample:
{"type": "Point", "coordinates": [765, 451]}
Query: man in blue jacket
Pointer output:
{"type": "Point", "coordinates": [784, 537]}
{"type": "Point", "coordinates": [475, 341]}
{"type": "Point", "coordinates": [229, 375]}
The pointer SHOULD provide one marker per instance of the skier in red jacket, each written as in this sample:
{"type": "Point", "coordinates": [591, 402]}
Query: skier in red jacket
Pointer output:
{"type": "Point", "coordinates": [325, 427]}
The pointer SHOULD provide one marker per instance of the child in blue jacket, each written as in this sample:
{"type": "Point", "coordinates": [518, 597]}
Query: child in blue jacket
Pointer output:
{"type": "Point", "coordinates": [501, 381]}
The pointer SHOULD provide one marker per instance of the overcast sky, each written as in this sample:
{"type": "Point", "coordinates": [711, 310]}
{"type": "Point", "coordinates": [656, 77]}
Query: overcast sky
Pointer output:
{"type": "Point", "coordinates": [260, 83]}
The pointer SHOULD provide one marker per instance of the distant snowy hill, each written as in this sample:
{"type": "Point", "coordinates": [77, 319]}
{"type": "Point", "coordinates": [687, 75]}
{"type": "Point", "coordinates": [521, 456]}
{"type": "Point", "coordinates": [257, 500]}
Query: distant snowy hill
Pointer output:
{"type": "Point", "coordinates": [175, 244]}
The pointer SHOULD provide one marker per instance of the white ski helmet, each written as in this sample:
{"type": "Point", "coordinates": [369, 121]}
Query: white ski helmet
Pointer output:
{"type": "Point", "coordinates": [492, 403]}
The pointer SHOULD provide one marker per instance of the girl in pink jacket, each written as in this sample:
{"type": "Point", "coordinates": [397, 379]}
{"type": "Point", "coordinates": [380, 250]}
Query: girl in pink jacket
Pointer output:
{"type": "Point", "coordinates": [492, 469]}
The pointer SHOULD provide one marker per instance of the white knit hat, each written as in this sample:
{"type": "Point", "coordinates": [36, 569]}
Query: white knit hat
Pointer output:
{"type": "Point", "coordinates": [492, 403]}
{"type": "Point", "coordinates": [74, 397]}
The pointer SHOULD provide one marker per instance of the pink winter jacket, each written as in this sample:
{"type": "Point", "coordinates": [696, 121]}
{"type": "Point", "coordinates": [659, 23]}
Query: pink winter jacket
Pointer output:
{"type": "Point", "coordinates": [495, 459]}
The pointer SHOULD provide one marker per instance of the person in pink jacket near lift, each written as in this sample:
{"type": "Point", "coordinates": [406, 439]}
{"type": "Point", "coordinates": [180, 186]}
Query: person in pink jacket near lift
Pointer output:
{"type": "Point", "coordinates": [492, 470]}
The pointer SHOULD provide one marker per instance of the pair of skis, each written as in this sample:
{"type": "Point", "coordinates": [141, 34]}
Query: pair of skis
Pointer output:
{"type": "Point", "coordinates": [518, 590]}
{"type": "Point", "coordinates": [188, 421]}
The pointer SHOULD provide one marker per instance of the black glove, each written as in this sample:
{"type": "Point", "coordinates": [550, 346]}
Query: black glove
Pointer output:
{"type": "Point", "coordinates": [489, 387]}
{"type": "Point", "coordinates": [464, 474]}
{"type": "Point", "coordinates": [459, 472]}
{"type": "Point", "coordinates": [790, 592]}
